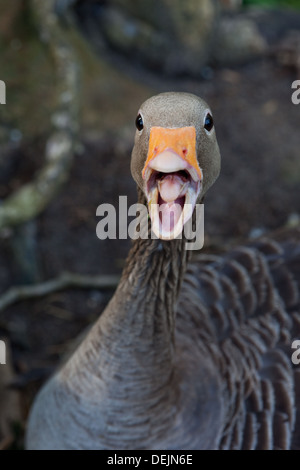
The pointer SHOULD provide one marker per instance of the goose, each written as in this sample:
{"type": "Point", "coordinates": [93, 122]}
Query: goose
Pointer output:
{"type": "Point", "coordinates": [192, 352]}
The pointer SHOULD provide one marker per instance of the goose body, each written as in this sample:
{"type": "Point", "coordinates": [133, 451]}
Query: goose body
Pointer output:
{"type": "Point", "coordinates": [187, 354]}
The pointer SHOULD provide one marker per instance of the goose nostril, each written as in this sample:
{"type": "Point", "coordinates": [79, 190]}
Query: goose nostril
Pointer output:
{"type": "Point", "coordinates": [184, 151]}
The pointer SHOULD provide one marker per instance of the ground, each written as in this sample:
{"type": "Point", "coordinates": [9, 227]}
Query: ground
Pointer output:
{"type": "Point", "coordinates": [258, 133]}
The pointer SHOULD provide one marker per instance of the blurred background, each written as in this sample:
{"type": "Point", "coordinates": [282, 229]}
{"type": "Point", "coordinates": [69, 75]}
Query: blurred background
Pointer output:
{"type": "Point", "coordinates": [76, 73]}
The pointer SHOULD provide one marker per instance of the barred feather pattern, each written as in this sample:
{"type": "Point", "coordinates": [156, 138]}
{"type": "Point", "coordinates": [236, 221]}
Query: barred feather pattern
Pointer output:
{"type": "Point", "coordinates": [245, 313]}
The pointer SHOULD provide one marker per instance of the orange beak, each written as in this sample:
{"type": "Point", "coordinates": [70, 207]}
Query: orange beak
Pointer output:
{"type": "Point", "coordinates": [181, 140]}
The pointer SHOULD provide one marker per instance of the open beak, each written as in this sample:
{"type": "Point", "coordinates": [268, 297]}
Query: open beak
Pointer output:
{"type": "Point", "coordinates": [172, 179]}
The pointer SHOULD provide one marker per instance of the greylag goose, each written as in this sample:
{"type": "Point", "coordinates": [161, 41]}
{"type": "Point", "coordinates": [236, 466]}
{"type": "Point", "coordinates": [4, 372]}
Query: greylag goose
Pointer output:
{"type": "Point", "coordinates": [187, 355]}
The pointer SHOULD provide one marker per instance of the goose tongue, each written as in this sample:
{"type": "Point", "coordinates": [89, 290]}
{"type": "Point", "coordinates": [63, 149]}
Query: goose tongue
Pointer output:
{"type": "Point", "coordinates": [172, 188]}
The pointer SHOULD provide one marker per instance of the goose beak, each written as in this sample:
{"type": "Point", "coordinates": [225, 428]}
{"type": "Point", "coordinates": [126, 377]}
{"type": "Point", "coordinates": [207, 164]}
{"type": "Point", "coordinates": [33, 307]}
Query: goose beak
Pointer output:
{"type": "Point", "coordinates": [172, 179]}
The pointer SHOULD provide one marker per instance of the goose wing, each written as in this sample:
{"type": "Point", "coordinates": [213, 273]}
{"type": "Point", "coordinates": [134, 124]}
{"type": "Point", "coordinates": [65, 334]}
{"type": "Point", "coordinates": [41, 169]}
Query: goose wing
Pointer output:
{"type": "Point", "coordinates": [245, 309]}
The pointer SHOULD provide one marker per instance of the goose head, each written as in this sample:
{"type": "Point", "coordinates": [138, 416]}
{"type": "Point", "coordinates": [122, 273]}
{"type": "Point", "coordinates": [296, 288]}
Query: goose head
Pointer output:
{"type": "Point", "coordinates": [175, 158]}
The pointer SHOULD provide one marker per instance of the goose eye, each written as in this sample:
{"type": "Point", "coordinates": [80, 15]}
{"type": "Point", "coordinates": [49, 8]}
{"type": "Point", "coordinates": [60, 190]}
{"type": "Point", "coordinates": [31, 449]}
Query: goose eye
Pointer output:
{"type": "Point", "coordinates": [209, 122]}
{"type": "Point", "coordinates": [139, 122]}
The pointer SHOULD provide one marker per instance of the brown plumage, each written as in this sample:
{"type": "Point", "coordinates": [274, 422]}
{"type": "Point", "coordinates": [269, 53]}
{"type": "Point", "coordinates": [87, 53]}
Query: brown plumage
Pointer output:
{"type": "Point", "coordinates": [188, 354]}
